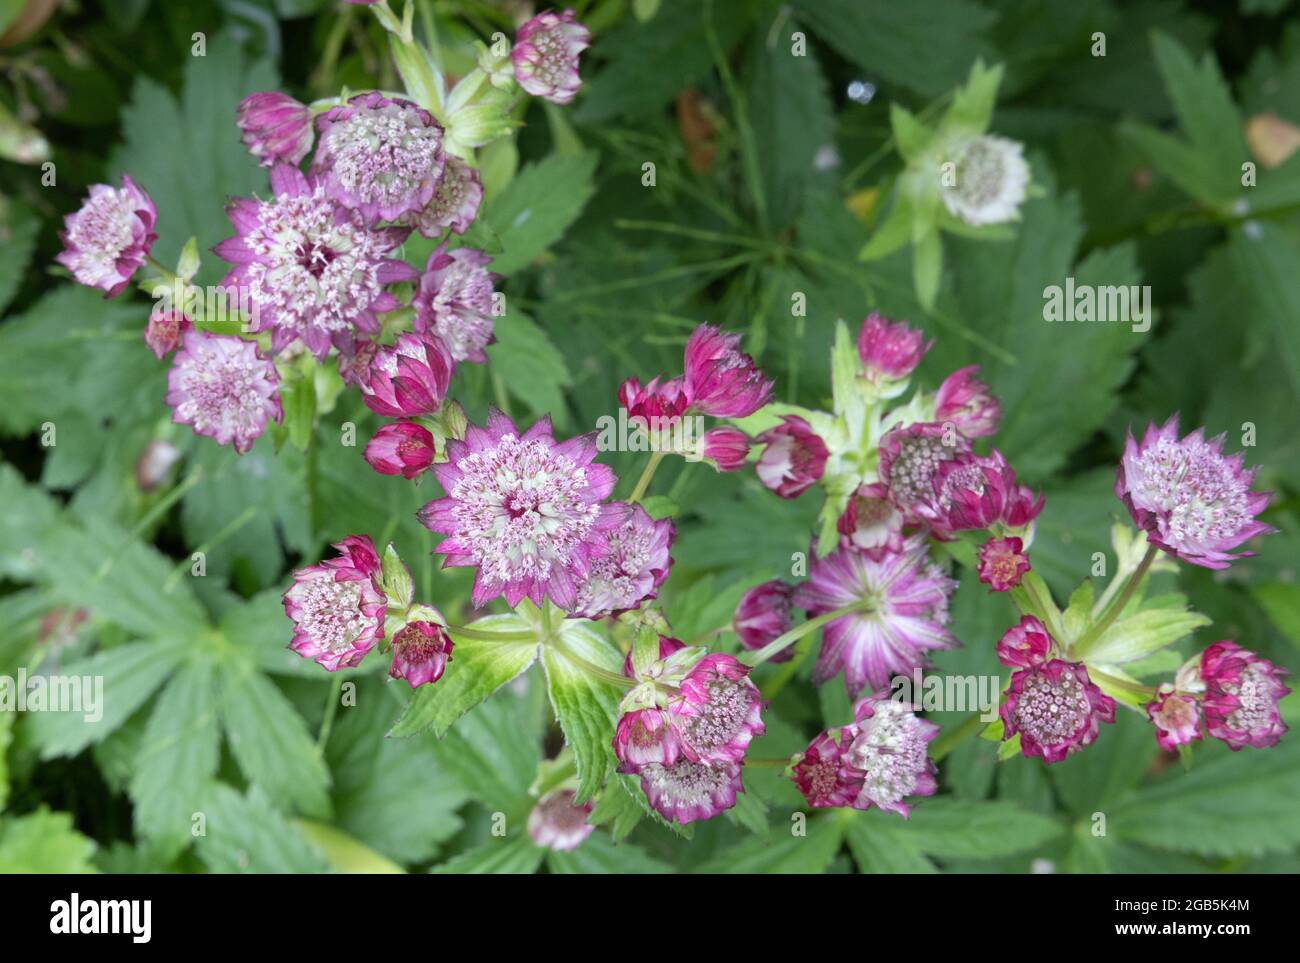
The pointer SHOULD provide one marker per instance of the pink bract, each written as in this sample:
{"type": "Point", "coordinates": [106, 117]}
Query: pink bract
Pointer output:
{"type": "Point", "coordinates": [455, 201]}
{"type": "Point", "coordinates": [337, 606]}
{"type": "Point", "coordinates": [1177, 719]}
{"type": "Point", "coordinates": [1242, 692]}
{"type": "Point", "coordinates": [762, 615]}
{"type": "Point", "coordinates": [421, 651]}
{"type": "Point", "coordinates": [1025, 644]}
{"type": "Point", "coordinates": [630, 566]}
{"type": "Point", "coordinates": [108, 238]}
{"type": "Point", "coordinates": [408, 378]}
{"type": "Point", "coordinates": [454, 300]}
{"type": "Point", "coordinates": [1056, 708]}
{"type": "Point", "coordinates": [794, 459]}
{"type": "Point", "coordinates": [275, 127]}
{"type": "Point", "coordinates": [404, 448]}
{"type": "Point", "coordinates": [222, 387]}
{"type": "Point", "coordinates": [559, 823]}
{"type": "Point", "coordinates": [890, 350]}
{"type": "Point", "coordinates": [1002, 563]}
{"type": "Point", "coordinates": [721, 380]}
{"type": "Point", "coordinates": [545, 55]}
{"type": "Point", "coordinates": [966, 402]}
{"type": "Point", "coordinates": [718, 711]}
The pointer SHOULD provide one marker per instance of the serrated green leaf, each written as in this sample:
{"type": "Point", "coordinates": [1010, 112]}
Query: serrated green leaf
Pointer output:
{"type": "Point", "coordinates": [18, 226]}
{"type": "Point", "coordinates": [1141, 634]}
{"type": "Point", "coordinates": [517, 856]}
{"type": "Point", "coordinates": [881, 844]}
{"type": "Point", "coordinates": [247, 834]}
{"type": "Point", "coordinates": [810, 853]}
{"type": "Point", "coordinates": [977, 830]}
{"type": "Point", "coordinates": [44, 842]}
{"type": "Point", "coordinates": [586, 707]}
{"type": "Point", "coordinates": [530, 365]}
{"type": "Point", "coordinates": [597, 855]}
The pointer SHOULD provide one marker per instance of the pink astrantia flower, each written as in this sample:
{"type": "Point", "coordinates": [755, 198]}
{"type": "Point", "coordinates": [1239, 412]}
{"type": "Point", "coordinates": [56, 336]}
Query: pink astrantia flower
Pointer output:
{"type": "Point", "coordinates": [380, 156]}
{"type": "Point", "coordinates": [1177, 718]}
{"type": "Point", "coordinates": [163, 332]}
{"type": "Point", "coordinates": [685, 791]}
{"type": "Point", "coordinates": [108, 238]}
{"type": "Point", "coordinates": [967, 402]}
{"type": "Point", "coordinates": [725, 447]}
{"type": "Point", "coordinates": [977, 491]}
{"type": "Point", "coordinates": [312, 270]}
{"type": "Point", "coordinates": [454, 301]}
{"type": "Point", "coordinates": [910, 458]}
{"type": "Point", "coordinates": [1002, 563]}
{"type": "Point", "coordinates": [455, 202]}
{"type": "Point", "coordinates": [659, 404]}
{"type": "Point", "coordinates": [404, 448]}
{"type": "Point", "coordinates": [643, 737]}
{"type": "Point", "coordinates": [905, 613]}
{"type": "Point", "coordinates": [890, 350]}
{"type": "Point", "coordinates": [718, 711]}
{"type": "Point", "coordinates": [764, 614]}
{"type": "Point", "coordinates": [523, 509]}
{"type": "Point", "coordinates": [870, 521]}
{"type": "Point", "coordinates": [408, 378]}
{"type": "Point", "coordinates": [1241, 696]}
{"type": "Point", "coordinates": [222, 387]}
{"type": "Point", "coordinates": [275, 127]}
{"type": "Point", "coordinates": [1025, 644]}
{"type": "Point", "coordinates": [1192, 500]}
{"type": "Point", "coordinates": [721, 380]}
{"type": "Point", "coordinates": [822, 776]}
{"type": "Point", "coordinates": [545, 55]}
{"type": "Point", "coordinates": [558, 823]}
{"type": "Point", "coordinates": [630, 567]}
{"type": "Point", "coordinates": [421, 651]}
{"type": "Point", "coordinates": [1056, 708]}
{"type": "Point", "coordinates": [794, 458]}
{"type": "Point", "coordinates": [337, 606]}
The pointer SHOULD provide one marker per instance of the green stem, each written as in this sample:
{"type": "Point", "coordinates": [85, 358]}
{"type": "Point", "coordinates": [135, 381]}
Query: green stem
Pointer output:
{"type": "Point", "coordinates": [486, 635]}
{"type": "Point", "coordinates": [955, 736]}
{"type": "Point", "coordinates": [647, 474]}
{"type": "Point", "coordinates": [1112, 613]}
{"type": "Point", "coordinates": [1115, 682]}
{"type": "Point", "coordinates": [798, 632]}
{"type": "Point", "coordinates": [331, 708]}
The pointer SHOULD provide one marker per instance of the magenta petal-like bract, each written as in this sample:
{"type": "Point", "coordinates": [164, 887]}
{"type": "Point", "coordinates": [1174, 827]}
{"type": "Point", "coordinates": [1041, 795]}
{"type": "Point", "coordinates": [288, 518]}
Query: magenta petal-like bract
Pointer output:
{"type": "Point", "coordinates": [545, 55]}
{"type": "Point", "coordinates": [977, 491]}
{"type": "Point", "coordinates": [108, 238]}
{"type": "Point", "coordinates": [630, 566]}
{"type": "Point", "coordinates": [421, 651]}
{"type": "Point", "coordinates": [275, 127]}
{"type": "Point", "coordinates": [686, 791]}
{"type": "Point", "coordinates": [794, 457]}
{"type": "Point", "coordinates": [559, 823]}
{"type": "Point", "coordinates": [1177, 719]}
{"type": "Point", "coordinates": [762, 615]}
{"type": "Point", "coordinates": [725, 447]}
{"type": "Point", "coordinates": [1056, 709]}
{"type": "Point", "coordinates": [1002, 563]}
{"type": "Point", "coordinates": [409, 378]}
{"type": "Point", "coordinates": [659, 404]}
{"type": "Point", "coordinates": [645, 736]}
{"type": "Point", "coordinates": [1190, 498]}
{"type": "Point", "coordinates": [870, 521]}
{"type": "Point", "coordinates": [966, 402]}
{"type": "Point", "coordinates": [404, 448]}
{"type": "Point", "coordinates": [454, 300]}
{"type": "Point", "coordinates": [718, 711]}
{"type": "Point", "coordinates": [910, 458]}
{"type": "Point", "coordinates": [905, 614]}
{"type": "Point", "coordinates": [822, 775]}
{"type": "Point", "coordinates": [890, 350]}
{"type": "Point", "coordinates": [1242, 691]}
{"type": "Point", "coordinates": [1025, 644]}
{"type": "Point", "coordinates": [165, 329]}
{"type": "Point", "coordinates": [523, 509]}
{"type": "Point", "coordinates": [721, 380]}
{"type": "Point", "coordinates": [337, 607]}
{"type": "Point", "coordinates": [455, 201]}
{"type": "Point", "coordinates": [222, 387]}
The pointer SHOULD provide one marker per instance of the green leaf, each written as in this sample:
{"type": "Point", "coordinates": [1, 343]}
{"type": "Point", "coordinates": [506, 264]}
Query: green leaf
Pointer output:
{"type": "Point", "coordinates": [587, 708]}
{"type": "Point", "coordinates": [537, 208]}
{"type": "Point", "coordinates": [475, 671]}
{"type": "Point", "coordinates": [516, 856]}
{"type": "Point", "coordinates": [880, 843]}
{"type": "Point", "coordinates": [246, 834]}
{"type": "Point", "coordinates": [177, 758]}
{"type": "Point", "coordinates": [911, 136]}
{"type": "Point", "coordinates": [397, 580]}
{"type": "Point", "coordinates": [616, 807]}
{"type": "Point", "coordinates": [810, 853]}
{"type": "Point", "coordinates": [1282, 603]}
{"type": "Point", "coordinates": [271, 743]}
{"type": "Point", "coordinates": [18, 226]}
{"type": "Point", "coordinates": [44, 842]}
{"type": "Point", "coordinates": [1141, 634]}
{"type": "Point", "coordinates": [1096, 779]}
{"type": "Point", "coordinates": [494, 750]}
{"type": "Point", "coordinates": [597, 855]}
{"type": "Point", "coordinates": [344, 853]}
{"type": "Point", "coordinates": [533, 369]}
{"type": "Point", "coordinates": [977, 830]}
{"type": "Point", "coordinates": [972, 104]}
{"type": "Point", "coordinates": [298, 399]}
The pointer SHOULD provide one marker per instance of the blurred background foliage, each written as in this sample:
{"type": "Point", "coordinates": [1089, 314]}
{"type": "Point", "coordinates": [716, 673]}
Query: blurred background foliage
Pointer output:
{"type": "Point", "coordinates": [771, 172]}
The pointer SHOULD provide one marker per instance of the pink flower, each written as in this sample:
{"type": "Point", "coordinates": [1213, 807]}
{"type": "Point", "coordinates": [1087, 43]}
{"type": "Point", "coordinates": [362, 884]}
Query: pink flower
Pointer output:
{"type": "Point", "coordinates": [720, 379]}
{"type": "Point", "coordinates": [1177, 718]}
{"type": "Point", "coordinates": [337, 606]}
{"type": "Point", "coordinates": [222, 387]}
{"type": "Point", "coordinates": [1002, 562]}
{"type": "Point", "coordinates": [558, 823]}
{"type": "Point", "coordinates": [822, 775]}
{"type": "Point", "coordinates": [910, 458]}
{"type": "Point", "coordinates": [455, 301]}
{"type": "Point", "coordinates": [667, 647]}
{"type": "Point", "coordinates": [904, 615]}
{"type": "Point", "coordinates": [870, 521]}
{"type": "Point", "coordinates": [631, 566]}
{"type": "Point", "coordinates": [975, 491]}
{"type": "Point", "coordinates": [1241, 696]}
{"type": "Point", "coordinates": [727, 448]}
{"type": "Point", "coordinates": [890, 350]}
{"type": "Point", "coordinates": [409, 378]}
{"type": "Point", "coordinates": [163, 332]}
{"type": "Point", "coordinates": [685, 791]}
{"type": "Point", "coordinates": [107, 240]}
{"type": "Point", "coordinates": [1025, 645]}
{"type": "Point", "coordinates": [764, 614]}
{"type": "Point", "coordinates": [1056, 708]}
{"type": "Point", "coordinates": [381, 156]}
{"type": "Point", "coordinates": [794, 458]}
{"type": "Point", "coordinates": [276, 128]}
{"type": "Point", "coordinates": [966, 401]}
{"type": "Point", "coordinates": [659, 404]}
{"type": "Point", "coordinates": [313, 271]}
{"type": "Point", "coordinates": [455, 202]}
{"type": "Point", "coordinates": [718, 710]}
{"type": "Point", "coordinates": [545, 55]}
{"type": "Point", "coordinates": [405, 449]}
{"type": "Point", "coordinates": [523, 509]}
{"type": "Point", "coordinates": [1191, 499]}
{"type": "Point", "coordinates": [644, 737]}
{"type": "Point", "coordinates": [421, 651]}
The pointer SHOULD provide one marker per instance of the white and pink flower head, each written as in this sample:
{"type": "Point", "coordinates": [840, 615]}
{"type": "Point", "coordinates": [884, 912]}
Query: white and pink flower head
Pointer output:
{"type": "Point", "coordinates": [381, 156]}
{"type": "Point", "coordinates": [408, 378]}
{"type": "Point", "coordinates": [794, 457]}
{"type": "Point", "coordinates": [1193, 501]}
{"type": "Point", "coordinates": [1055, 707]}
{"type": "Point", "coordinates": [910, 458]}
{"type": "Point", "coordinates": [109, 237]}
{"type": "Point", "coordinates": [629, 568]}
{"type": "Point", "coordinates": [721, 380]}
{"type": "Point", "coordinates": [904, 599]}
{"type": "Point", "coordinates": [557, 822]}
{"type": "Point", "coordinates": [275, 127]}
{"type": "Point", "coordinates": [1242, 691]}
{"type": "Point", "coordinates": [1025, 644]}
{"type": "Point", "coordinates": [717, 711]}
{"type": "Point", "coordinates": [404, 448]}
{"type": "Point", "coordinates": [890, 350]}
{"type": "Point", "coordinates": [421, 651]}
{"type": "Point", "coordinates": [454, 300]}
{"type": "Point", "coordinates": [222, 387]}
{"type": "Point", "coordinates": [164, 331]}
{"type": "Point", "coordinates": [763, 615]}
{"type": "Point", "coordinates": [659, 404]}
{"type": "Point", "coordinates": [1002, 563]}
{"type": "Point", "coordinates": [455, 202]}
{"type": "Point", "coordinates": [313, 271]}
{"type": "Point", "coordinates": [981, 491]}
{"type": "Point", "coordinates": [1176, 717]}
{"type": "Point", "coordinates": [545, 55]}
{"type": "Point", "coordinates": [524, 510]}
{"type": "Point", "coordinates": [685, 791]}
{"type": "Point", "coordinates": [725, 447]}
{"type": "Point", "coordinates": [870, 521]}
{"type": "Point", "coordinates": [337, 607]}
{"type": "Point", "coordinates": [967, 403]}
